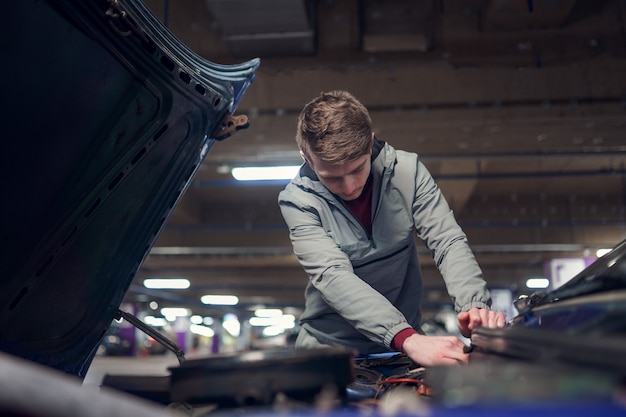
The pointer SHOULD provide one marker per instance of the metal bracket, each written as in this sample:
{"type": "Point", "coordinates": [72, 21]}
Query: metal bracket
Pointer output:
{"type": "Point", "coordinates": [229, 125]}
{"type": "Point", "coordinates": [119, 21]}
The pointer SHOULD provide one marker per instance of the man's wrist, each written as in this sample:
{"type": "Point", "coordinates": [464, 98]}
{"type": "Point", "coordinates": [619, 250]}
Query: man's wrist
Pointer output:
{"type": "Point", "coordinates": [400, 337]}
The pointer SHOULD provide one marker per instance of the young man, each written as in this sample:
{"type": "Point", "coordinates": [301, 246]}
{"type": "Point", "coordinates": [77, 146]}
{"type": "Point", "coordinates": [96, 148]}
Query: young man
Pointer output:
{"type": "Point", "coordinates": [352, 212]}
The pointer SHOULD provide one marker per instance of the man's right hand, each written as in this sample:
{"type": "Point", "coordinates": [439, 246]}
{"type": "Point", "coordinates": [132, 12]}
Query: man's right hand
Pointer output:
{"type": "Point", "coordinates": [435, 350]}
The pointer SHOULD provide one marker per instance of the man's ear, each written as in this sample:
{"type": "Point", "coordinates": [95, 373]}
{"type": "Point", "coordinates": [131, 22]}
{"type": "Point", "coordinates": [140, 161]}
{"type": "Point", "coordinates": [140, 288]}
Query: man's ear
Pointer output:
{"type": "Point", "coordinates": [305, 159]}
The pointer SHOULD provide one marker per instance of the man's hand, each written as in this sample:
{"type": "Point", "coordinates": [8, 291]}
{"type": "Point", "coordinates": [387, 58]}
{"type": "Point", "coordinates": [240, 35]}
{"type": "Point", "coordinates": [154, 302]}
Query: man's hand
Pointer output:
{"type": "Point", "coordinates": [435, 350]}
{"type": "Point", "coordinates": [477, 317]}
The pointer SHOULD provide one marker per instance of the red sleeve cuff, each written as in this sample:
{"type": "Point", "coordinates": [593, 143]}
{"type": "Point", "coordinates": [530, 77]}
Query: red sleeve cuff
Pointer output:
{"type": "Point", "coordinates": [400, 337]}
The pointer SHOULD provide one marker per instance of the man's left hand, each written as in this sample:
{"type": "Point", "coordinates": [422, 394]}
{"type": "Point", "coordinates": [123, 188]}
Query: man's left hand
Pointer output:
{"type": "Point", "coordinates": [477, 317]}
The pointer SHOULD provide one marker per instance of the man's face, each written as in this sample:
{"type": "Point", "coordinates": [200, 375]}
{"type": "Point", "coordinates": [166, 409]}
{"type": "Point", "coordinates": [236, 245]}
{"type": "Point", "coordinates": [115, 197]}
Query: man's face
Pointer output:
{"type": "Point", "coordinates": [346, 180]}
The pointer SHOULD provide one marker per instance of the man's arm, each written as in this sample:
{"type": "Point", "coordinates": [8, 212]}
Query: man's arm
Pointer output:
{"type": "Point", "coordinates": [438, 228]}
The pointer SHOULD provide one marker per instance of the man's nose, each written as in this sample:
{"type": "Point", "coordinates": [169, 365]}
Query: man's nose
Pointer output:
{"type": "Point", "coordinates": [349, 185]}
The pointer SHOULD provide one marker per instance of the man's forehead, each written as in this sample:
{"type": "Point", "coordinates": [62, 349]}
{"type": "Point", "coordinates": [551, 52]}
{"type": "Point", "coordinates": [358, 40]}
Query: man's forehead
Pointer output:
{"type": "Point", "coordinates": [331, 170]}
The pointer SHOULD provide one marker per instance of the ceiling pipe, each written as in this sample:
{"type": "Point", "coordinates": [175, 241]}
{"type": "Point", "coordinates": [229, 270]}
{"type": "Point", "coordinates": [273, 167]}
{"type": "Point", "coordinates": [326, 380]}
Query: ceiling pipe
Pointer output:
{"type": "Point", "coordinates": [482, 225]}
{"type": "Point", "coordinates": [264, 251]}
{"type": "Point", "coordinates": [573, 102]}
{"type": "Point", "coordinates": [295, 159]}
{"type": "Point", "coordinates": [467, 176]}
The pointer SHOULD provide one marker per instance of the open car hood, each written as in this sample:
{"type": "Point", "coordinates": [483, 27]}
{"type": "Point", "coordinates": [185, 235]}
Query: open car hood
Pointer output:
{"type": "Point", "coordinates": [107, 117]}
{"type": "Point", "coordinates": [606, 274]}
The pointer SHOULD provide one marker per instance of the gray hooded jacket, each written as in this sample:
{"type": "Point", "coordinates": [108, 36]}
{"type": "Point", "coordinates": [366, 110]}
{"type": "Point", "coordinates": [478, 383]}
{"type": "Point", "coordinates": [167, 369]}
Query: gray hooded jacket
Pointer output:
{"type": "Point", "coordinates": [363, 289]}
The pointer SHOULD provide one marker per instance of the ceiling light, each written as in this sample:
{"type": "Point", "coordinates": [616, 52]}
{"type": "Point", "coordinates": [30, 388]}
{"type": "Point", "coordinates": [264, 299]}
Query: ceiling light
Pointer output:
{"type": "Point", "coordinates": [261, 321]}
{"type": "Point", "coordinates": [537, 283]}
{"type": "Point", "coordinates": [166, 283]}
{"type": "Point", "coordinates": [195, 319]}
{"type": "Point", "coordinates": [265, 173]}
{"type": "Point", "coordinates": [220, 300]}
{"type": "Point", "coordinates": [287, 321]}
{"type": "Point", "coordinates": [231, 324]}
{"type": "Point", "coordinates": [268, 312]}
{"type": "Point", "coordinates": [273, 331]}
{"type": "Point", "coordinates": [175, 312]}
{"type": "Point", "coordinates": [601, 252]}
{"type": "Point", "coordinates": [201, 330]}
{"type": "Point", "coordinates": [155, 321]}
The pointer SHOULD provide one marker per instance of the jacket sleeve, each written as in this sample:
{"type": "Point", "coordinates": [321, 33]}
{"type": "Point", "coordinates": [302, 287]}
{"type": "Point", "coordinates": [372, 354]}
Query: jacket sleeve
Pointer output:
{"type": "Point", "coordinates": [330, 272]}
{"type": "Point", "coordinates": [447, 243]}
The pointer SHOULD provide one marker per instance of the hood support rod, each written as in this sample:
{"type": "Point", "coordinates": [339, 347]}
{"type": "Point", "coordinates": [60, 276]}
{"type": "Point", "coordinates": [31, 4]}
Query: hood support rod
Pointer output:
{"type": "Point", "coordinates": [158, 336]}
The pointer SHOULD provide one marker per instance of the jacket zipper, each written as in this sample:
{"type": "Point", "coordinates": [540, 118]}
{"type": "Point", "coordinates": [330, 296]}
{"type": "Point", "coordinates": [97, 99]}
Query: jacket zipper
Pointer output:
{"type": "Point", "coordinates": [358, 221]}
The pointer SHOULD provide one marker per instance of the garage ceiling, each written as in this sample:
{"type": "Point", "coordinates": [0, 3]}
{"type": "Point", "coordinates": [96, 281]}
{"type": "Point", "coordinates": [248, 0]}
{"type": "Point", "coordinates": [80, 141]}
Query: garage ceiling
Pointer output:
{"type": "Point", "coordinates": [517, 107]}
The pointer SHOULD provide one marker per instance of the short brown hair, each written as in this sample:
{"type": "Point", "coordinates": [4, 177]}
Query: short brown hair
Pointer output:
{"type": "Point", "coordinates": [334, 127]}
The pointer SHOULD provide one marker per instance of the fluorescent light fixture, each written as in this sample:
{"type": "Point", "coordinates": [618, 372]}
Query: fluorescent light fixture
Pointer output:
{"type": "Point", "coordinates": [155, 321]}
{"type": "Point", "coordinates": [273, 331]}
{"type": "Point", "coordinates": [201, 330]}
{"type": "Point", "coordinates": [265, 173]}
{"type": "Point", "coordinates": [195, 319]}
{"type": "Point", "coordinates": [166, 283]}
{"type": "Point", "coordinates": [537, 283]}
{"type": "Point", "coordinates": [287, 321]}
{"type": "Point", "coordinates": [174, 312]}
{"type": "Point", "coordinates": [220, 300]}
{"type": "Point", "coordinates": [601, 252]}
{"type": "Point", "coordinates": [261, 321]}
{"type": "Point", "coordinates": [231, 324]}
{"type": "Point", "coordinates": [268, 312]}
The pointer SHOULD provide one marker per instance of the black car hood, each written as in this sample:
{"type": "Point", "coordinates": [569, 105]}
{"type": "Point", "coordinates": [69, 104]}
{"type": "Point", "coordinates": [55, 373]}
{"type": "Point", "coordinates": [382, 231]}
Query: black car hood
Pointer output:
{"type": "Point", "coordinates": [107, 117]}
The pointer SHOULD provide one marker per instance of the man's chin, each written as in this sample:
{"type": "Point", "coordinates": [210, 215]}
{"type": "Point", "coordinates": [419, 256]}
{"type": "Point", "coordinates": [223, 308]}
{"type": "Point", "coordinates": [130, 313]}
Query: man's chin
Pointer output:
{"type": "Point", "coordinates": [350, 197]}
